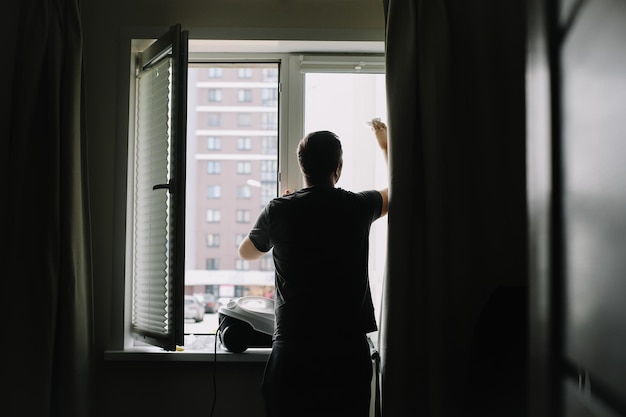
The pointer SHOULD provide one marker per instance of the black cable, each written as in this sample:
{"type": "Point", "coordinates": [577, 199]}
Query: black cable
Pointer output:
{"type": "Point", "coordinates": [215, 368]}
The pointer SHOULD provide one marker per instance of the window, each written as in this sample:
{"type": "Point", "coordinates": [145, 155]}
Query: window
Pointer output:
{"type": "Point", "coordinates": [213, 240]}
{"type": "Point", "coordinates": [244, 96]}
{"type": "Point", "coordinates": [213, 191]}
{"type": "Point", "coordinates": [267, 262]}
{"type": "Point", "coordinates": [244, 72]}
{"type": "Point", "coordinates": [213, 143]}
{"type": "Point", "coordinates": [212, 264]}
{"type": "Point", "coordinates": [269, 145]}
{"type": "Point", "coordinates": [364, 165]}
{"type": "Point", "coordinates": [243, 216]}
{"type": "Point", "coordinates": [243, 192]}
{"type": "Point", "coordinates": [244, 167]}
{"type": "Point", "coordinates": [213, 167]}
{"type": "Point", "coordinates": [215, 95]}
{"type": "Point", "coordinates": [213, 216]}
{"type": "Point", "coordinates": [239, 237]}
{"type": "Point", "coordinates": [270, 74]}
{"type": "Point", "coordinates": [156, 192]}
{"type": "Point", "coordinates": [214, 72]}
{"type": "Point", "coordinates": [268, 191]}
{"type": "Point", "coordinates": [242, 265]}
{"type": "Point", "coordinates": [270, 97]}
{"type": "Point", "coordinates": [214, 119]}
{"type": "Point", "coordinates": [269, 121]}
{"type": "Point", "coordinates": [244, 144]}
{"type": "Point", "coordinates": [240, 111]}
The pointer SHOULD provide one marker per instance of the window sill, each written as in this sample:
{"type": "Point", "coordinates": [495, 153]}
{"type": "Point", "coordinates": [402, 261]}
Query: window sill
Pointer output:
{"type": "Point", "coordinates": [202, 349]}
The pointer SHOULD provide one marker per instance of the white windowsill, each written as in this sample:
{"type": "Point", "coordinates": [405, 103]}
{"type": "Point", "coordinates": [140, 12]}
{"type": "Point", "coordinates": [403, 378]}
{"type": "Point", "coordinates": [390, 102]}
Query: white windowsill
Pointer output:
{"type": "Point", "coordinates": [199, 349]}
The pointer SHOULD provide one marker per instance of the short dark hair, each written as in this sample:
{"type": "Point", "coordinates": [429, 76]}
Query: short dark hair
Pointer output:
{"type": "Point", "coordinates": [319, 154]}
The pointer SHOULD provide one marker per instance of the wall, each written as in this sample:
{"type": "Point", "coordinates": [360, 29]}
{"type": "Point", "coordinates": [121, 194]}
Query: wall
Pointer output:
{"type": "Point", "coordinates": [105, 24]}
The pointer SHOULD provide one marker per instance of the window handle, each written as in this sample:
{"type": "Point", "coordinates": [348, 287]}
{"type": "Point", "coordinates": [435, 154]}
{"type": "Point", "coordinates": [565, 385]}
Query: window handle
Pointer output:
{"type": "Point", "coordinates": [167, 186]}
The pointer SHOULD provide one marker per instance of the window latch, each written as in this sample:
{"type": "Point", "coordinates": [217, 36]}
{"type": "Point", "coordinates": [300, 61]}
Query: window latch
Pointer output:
{"type": "Point", "coordinates": [167, 186]}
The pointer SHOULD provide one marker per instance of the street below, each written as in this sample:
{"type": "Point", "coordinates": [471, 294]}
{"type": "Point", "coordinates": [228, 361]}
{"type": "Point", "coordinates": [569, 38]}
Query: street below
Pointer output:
{"type": "Point", "coordinates": [206, 326]}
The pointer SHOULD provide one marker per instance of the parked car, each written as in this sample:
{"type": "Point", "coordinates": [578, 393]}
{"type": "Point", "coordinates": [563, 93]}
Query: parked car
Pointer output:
{"type": "Point", "coordinates": [208, 301]}
{"type": "Point", "coordinates": [193, 309]}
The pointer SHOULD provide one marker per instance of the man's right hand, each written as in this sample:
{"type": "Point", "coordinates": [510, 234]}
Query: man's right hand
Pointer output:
{"type": "Point", "coordinates": [380, 130]}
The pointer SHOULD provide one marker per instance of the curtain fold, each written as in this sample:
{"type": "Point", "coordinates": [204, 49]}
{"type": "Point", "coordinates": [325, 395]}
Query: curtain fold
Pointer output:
{"type": "Point", "coordinates": [47, 294]}
{"type": "Point", "coordinates": [408, 355]}
{"type": "Point", "coordinates": [457, 223]}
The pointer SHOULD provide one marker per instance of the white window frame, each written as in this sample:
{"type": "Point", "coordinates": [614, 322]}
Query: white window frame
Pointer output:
{"type": "Point", "coordinates": [290, 126]}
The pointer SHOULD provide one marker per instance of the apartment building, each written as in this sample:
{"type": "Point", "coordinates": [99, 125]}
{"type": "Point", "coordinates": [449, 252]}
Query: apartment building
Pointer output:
{"type": "Point", "coordinates": [232, 157]}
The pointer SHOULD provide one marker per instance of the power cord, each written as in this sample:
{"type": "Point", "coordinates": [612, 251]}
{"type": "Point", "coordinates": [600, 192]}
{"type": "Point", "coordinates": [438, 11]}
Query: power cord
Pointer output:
{"type": "Point", "coordinates": [217, 331]}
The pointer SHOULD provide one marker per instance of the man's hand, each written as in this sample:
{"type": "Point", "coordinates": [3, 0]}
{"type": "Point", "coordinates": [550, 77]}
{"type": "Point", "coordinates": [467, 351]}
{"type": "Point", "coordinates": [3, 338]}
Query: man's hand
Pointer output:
{"type": "Point", "coordinates": [380, 130]}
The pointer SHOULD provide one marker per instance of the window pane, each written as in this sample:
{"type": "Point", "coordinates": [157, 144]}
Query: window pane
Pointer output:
{"type": "Point", "coordinates": [356, 99]}
{"type": "Point", "coordinates": [235, 140]}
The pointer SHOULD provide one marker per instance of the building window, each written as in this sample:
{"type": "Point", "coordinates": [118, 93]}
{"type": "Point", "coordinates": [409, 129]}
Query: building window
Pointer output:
{"type": "Point", "coordinates": [268, 192]}
{"type": "Point", "coordinates": [213, 240]}
{"type": "Point", "coordinates": [239, 237]}
{"type": "Point", "coordinates": [242, 265]}
{"type": "Point", "coordinates": [212, 264]}
{"type": "Point", "coordinates": [243, 192]}
{"type": "Point", "coordinates": [269, 145]}
{"type": "Point", "coordinates": [269, 97]}
{"type": "Point", "coordinates": [270, 75]}
{"type": "Point", "coordinates": [269, 171]}
{"type": "Point", "coordinates": [214, 119]}
{"type": "Point", "coordinates": [215, 95]}
{"type": "Point", "coordinates": [267, 262]}
{"type": "Point", "coordinates": [213, 167]}
{"type": "Point", "coordinates": [244, 167]}
{"type": "Point", "coordinates": [214, 191]}
{"type": "Point", "coordinates": [242, 216]}
{"type": "Point", "coordinates": [215, 72]}
{"type": "Point", "coordinates": [213, 216]}
{"type": "Point", "coordinates": [244, 95]}
{"type": "Point", "coordinates": [269, 121]}
{"type": "Point", "coordinates": [213, 143]}
{"type": "Point", "coordinates": [244, 144]}
{"type": "Point", "coordinates": [244, 72]}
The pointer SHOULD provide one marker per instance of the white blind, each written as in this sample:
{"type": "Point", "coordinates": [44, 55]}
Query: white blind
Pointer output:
{"type": "Point", "coordinates": [374, 64]}
{"type": "Point", "coordinates": [151, 313]}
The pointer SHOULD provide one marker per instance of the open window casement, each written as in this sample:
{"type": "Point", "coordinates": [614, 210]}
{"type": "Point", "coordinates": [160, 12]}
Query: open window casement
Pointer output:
{"type": "Point", "coordinates": [157, 184]}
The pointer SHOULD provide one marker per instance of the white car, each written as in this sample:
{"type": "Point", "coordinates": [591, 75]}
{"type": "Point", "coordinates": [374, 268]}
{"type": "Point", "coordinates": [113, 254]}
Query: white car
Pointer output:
{"type": "Point", "coordinates": [193, 309]}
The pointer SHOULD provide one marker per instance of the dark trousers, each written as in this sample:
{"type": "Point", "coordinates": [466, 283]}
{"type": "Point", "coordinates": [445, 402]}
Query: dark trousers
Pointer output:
{"type": "Point", "coordinates": [305, 379]}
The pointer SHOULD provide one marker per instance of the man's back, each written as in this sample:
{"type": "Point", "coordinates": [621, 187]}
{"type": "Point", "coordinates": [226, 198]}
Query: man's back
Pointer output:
{"type": "Point", "coordinates": [320, 239]}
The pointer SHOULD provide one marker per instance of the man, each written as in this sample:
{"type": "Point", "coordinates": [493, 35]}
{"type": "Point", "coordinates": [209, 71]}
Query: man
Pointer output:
{"type": "Point", "coordinates": [320, 363]}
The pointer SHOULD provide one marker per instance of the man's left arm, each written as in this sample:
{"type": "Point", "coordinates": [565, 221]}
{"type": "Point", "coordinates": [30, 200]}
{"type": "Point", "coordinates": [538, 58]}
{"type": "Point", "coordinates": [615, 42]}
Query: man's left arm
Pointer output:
{"type": "Point", "coordinates": [248, 251]}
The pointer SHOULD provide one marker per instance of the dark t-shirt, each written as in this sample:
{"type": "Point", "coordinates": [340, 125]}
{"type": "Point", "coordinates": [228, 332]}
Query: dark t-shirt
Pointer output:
{"type": "Point", "coordinates": [320, 241]}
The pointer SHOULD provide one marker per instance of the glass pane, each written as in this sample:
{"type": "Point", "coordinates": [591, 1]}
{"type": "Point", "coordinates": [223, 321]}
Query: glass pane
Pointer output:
{"type": "Point", "coordinates": [237, 131]}
{"type": "Point", "coordinates": [344, 103]}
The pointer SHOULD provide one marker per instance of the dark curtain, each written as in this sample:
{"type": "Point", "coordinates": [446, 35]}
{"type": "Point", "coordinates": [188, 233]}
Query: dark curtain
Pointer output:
{"type": "Point", "coordinates": [457, 222]}
{"type": "Point", "coordinates": [46, 286]}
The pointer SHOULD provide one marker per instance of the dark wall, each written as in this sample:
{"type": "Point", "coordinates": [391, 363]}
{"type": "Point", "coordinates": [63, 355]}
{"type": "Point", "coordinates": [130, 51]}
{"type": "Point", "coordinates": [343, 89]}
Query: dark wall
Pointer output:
{"type": "Point", "coordinates": [165, 389]}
